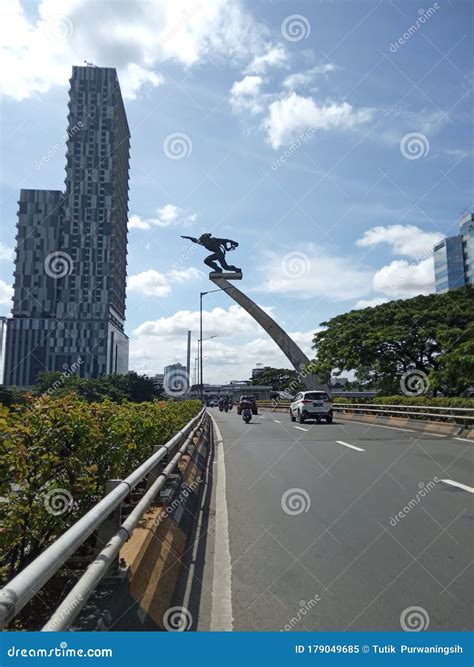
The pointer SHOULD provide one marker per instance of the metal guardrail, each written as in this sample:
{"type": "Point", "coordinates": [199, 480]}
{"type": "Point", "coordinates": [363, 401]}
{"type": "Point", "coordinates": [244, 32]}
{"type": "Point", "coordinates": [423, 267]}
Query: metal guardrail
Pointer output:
{"type": "Point", "coordinates": [19, 591]}
{"type": "Point", "coordinates": [433, 411]}
{"type": "Point", "coordinates": [440, 413]}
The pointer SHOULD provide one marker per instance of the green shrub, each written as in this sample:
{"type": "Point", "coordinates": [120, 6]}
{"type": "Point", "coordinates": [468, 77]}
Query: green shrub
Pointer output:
{"type": "Point", "coordinates": [68, 448]}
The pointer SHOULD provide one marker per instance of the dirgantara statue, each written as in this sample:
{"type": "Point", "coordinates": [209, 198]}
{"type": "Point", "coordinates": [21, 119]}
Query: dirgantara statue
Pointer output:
{"type": "Point", "coordinates": [218, 247]}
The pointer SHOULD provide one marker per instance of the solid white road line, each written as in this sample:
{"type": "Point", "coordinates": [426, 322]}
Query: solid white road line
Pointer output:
{"type": "Point", "coordinates": [395, 428]}
{"type": "Point", "coordinates": [346, 444]}
{"type": "Point", "coordinates": [300, 428]}
{"type": "Point", "coordinates": [221, 613]}
{"type": "Point", "coordinates": [458, 484]}
{"type": "Point", "coordinates": [464, 439]}
{"type": "Point", "coordinates": [276, 420]}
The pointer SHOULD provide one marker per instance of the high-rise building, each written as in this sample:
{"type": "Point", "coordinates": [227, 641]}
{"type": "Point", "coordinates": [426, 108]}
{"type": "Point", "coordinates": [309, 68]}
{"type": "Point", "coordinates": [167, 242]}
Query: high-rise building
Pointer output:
{"type": "Point", "coordinates": [454, 258]}
{"type": "Point", "coordinates": [71, 254]}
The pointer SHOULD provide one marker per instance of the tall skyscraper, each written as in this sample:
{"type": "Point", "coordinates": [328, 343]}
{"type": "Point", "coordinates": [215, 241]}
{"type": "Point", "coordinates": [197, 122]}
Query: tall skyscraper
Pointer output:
{"type": "Point", "coordinates": [454, 258]}
{"type": "Point", "coordinates": [71, 255]}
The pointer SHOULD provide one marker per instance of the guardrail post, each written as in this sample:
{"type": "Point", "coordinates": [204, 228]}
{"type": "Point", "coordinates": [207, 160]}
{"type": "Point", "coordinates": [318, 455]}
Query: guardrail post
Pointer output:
{"type": "Point", "coordinates": [110, 526]}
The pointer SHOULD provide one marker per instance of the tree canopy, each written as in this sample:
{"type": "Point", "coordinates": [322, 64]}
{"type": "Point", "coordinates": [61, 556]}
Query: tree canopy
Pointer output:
{"type": "Point", "coordinates": [280, 379]}
{"type": "Point", "coordinates": [431, 334]}
{"type": "Point", "coordinates": [131, 387]}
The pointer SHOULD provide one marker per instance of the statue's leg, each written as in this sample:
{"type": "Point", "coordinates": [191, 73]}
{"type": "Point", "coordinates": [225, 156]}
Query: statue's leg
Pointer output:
{"type": "Point", "coordinates": [210, 261]}
{"type": "Point", "coordinates": [227, 267]}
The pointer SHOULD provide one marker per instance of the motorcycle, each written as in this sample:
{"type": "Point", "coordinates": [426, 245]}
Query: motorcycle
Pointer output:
{"type": "Point", "coordinates": [226, 407]}
{"type": "Point", "coordinates": [221, 407]}
{"type": "Point", "coordinates": [246, 415]}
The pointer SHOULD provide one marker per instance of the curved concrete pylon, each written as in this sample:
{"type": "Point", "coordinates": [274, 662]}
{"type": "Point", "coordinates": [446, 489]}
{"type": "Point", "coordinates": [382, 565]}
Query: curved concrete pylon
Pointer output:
{"type": "Point", "coordinates": [286, 344]}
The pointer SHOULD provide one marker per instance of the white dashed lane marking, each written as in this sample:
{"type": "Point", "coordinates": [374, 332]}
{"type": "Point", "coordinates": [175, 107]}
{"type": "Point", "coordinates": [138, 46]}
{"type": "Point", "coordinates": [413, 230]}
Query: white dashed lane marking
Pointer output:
{"type": "Point", "coordinates": [464, 487]}
{"type": "Point", "coordinates": [346, 444]}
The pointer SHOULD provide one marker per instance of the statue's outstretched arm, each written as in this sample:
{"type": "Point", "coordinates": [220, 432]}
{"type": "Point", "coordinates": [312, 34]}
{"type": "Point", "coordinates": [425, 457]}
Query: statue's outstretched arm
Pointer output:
{"type": "Point", "coordinates": [190, 238]}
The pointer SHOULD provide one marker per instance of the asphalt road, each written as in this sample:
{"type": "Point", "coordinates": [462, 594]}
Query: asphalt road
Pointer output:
{"type": "Point", "coordinates": [309, 525]}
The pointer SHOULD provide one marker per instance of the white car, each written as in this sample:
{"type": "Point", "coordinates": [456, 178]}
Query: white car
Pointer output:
{"type": "Point", "coordinates": [311, 405]}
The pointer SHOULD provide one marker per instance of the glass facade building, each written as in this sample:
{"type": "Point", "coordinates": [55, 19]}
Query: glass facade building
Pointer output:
{"type": "Point", "coordinates": [454, 258]}
{"type": "Point", "coordinates": [71, 253]}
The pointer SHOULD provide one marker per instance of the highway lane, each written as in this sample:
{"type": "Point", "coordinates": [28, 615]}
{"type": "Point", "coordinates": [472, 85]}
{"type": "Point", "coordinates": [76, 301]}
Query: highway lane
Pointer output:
{"type": "Point", "coordinates": [343, 526]}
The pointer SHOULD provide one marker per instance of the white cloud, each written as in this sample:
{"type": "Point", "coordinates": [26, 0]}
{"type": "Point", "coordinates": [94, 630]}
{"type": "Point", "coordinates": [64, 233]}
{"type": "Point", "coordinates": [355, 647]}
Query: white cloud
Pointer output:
{"type": "Point", "coordinates": [6, 253]}
{"type": "Point", "coordinates": [315, 273]}
{"type": "Point", "coordinates": [370, 303]}
{"type": "Point", "coordinates": [276, 56]}
{"type": "Point", "coordinates": [149, 283]}
{"type": "Point", "coordinates": [184, 275]}
{"type": "Point", "coordinates": [398, 122]}
{"type": "Point", "coordinates": [245, 95]}
{"type": "Point", "coordinates": [406, 240]}
{"type": "Point", "coordinates": [294, 114]}
{"type": "Point", "coordinates": [216, 322]}
{"type": "Point", "coordinates": [240, 343]}
{"type": "Point", "coordinates": [155, 283]}
{"type": "Point", "coordinates": [168, 215]}
{"type": "Point", "coordinates": [133, 36]}
{"type": "Point", "coordinates": [6, 293]}
{"type": "Point", "coordinates": [302, 79]}
{"type": "Point", "coordinates": [401, 280]}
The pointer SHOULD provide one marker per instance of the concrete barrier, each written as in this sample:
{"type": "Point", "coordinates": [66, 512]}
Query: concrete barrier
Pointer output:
{"type": "Point", "coordinates": [443, 428]}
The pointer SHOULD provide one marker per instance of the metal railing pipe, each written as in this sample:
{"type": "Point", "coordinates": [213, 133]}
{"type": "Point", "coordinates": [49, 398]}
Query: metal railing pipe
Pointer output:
{"type": "Point", "coordinates": [29, 581]}
{"type": "Point", "coordinates": [77, 598]}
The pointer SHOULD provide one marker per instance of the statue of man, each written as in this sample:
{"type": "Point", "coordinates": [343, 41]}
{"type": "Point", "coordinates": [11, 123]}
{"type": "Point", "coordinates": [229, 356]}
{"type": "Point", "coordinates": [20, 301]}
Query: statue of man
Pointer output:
{"type": "Point", "coordinates": [218, 247]}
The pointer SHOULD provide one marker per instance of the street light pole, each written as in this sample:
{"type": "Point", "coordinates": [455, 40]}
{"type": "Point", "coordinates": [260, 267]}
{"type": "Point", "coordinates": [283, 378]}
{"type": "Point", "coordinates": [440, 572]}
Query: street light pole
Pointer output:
{"type": "Point", "coordinates": [201, 386]}
{"type": "Point", "coordinates": [201, 383]}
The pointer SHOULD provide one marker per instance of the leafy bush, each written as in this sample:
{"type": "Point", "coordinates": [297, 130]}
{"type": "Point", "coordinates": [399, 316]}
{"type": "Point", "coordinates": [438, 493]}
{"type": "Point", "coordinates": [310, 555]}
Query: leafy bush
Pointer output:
{"type": "Point", "coordinates": [56, 455]}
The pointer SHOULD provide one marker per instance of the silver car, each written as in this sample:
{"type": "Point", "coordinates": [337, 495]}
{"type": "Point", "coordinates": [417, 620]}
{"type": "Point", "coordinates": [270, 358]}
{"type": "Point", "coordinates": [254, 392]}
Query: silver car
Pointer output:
{"type": "Point", "coordinates": [311, 405]}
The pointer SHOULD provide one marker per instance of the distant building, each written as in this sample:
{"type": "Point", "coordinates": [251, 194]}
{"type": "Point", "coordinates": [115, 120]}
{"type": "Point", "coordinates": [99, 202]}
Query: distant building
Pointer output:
{"type": "Point", "coordinates": [71, 254]}
{"type": "Point", "coordinates": [158, 379]}
{"type": "Point", "coordinates": [454, 258]}
{"type": "Point", "coordinates": [172, 368]}
{"type": "Point", "coordinates": [237, 389]}
{"type": "Point", "coordinates": [176, 380]}
{"type": "Point", "coordinates": [259, 369]}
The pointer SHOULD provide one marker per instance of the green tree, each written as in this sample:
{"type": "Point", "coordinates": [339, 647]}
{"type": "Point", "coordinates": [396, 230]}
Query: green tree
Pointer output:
{"type": "Point", "coordinates": [280, 379]}
{"type": "Point", "coordinates": [118, 388]}
{"type": "Point", "coordinates": [431, 334]}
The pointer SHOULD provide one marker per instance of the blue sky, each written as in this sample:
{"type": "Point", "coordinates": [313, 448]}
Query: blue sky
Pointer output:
{"type": "Point", "coordinates": [333, 140]}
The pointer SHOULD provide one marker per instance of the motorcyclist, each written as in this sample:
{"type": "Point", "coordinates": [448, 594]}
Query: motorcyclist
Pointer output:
{"type": "Point", "coordinates": [246, 408]}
